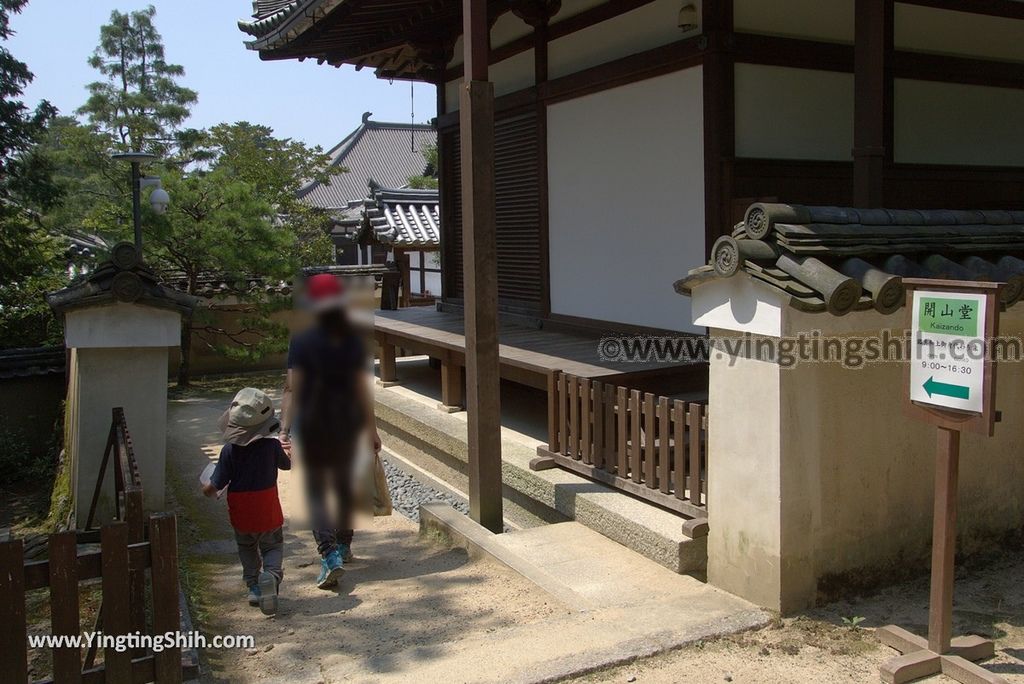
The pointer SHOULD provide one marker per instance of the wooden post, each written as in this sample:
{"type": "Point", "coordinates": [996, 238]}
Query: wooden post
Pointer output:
{"type": "Point", "coordinates": [116, 617]}
{"type": "Point", "coordinates": [873, 109]}
{"type": "Point", "coordinates": [480, 271]}
{"type": "Point", "coordinates": [402, 258]}
{"type": "Point", "coordinates": [451, 384]}
{"type": "Point", "coordinates": [719, 116]}
{"type": "Point", "coordinates": [388, 369]}
{"type": "Point", "coordinates": [553, 417]}
{"type": "Point", "coordinates": [14, 633]}
{"type": "Point", "coordinates": [163, 548]}
{"type": "Point", "coordinates": [947, 462]}
{"type": "Point", "coordinates": [64, 615]}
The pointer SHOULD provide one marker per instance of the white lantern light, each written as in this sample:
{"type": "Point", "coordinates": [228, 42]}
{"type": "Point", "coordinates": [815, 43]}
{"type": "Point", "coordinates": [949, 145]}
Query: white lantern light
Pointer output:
{"type": "Point", "coordinates": [159, 199]}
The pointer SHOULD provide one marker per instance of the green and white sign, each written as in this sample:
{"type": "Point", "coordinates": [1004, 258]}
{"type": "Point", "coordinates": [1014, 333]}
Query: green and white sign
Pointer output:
{"type": "Point", "coordinates": [948, 350]}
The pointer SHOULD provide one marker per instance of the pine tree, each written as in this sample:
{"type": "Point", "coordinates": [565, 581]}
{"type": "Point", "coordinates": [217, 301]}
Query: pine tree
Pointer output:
{"type": "Point", "coordinates": [140, 103]}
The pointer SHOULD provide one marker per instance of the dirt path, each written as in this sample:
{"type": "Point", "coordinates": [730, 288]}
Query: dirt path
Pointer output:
{"type": "Point", "coordinates": [819, 647]}
{"type": "Point", "coordinates": [401, 597]}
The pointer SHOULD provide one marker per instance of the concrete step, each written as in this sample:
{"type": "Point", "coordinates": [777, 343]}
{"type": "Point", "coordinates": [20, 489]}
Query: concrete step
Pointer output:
{"type": "Point", "coordinates": [631, 606]}
{"type": "Point", "coordinates": [412, 427]}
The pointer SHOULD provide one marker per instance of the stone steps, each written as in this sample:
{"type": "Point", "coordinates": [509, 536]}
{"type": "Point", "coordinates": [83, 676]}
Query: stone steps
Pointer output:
{"type": "Point", "coordinates": [436, 442]}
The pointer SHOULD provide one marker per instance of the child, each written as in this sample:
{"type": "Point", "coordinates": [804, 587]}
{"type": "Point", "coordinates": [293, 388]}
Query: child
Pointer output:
{"type": "Point", "coordinates": [248, 467]}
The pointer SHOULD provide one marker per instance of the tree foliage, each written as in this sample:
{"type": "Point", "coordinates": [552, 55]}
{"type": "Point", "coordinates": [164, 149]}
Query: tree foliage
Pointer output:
{"type": "Point", "coordinates": [31, 261]}
{"type": "Point", "coordinates": [429, 177]}
{"type": "Point", "coordinates": [139, 101]}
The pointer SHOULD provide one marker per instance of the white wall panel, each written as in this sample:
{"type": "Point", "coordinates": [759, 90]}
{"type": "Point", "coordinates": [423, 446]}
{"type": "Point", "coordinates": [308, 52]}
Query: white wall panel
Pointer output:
{"type": "Point", "coordinates": [927, 29]}
{"type": "Point", "coordinates": [785, 113]}
{"type": "Point", "coordinates": [828, 20]}
{"type": "Point", "coordinates": [642, 29]}
{"type": "Point", "coordinates": [950, 123]}
{"type": "Point", "coordinates": [626, 200]}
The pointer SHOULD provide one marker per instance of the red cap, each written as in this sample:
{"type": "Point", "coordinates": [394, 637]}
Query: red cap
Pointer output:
{"type": "Point", "coordinates": [323, 286]}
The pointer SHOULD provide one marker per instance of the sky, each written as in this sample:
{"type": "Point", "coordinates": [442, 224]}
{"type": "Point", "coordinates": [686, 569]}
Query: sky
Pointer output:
{"type": "Point", "coordinates": [316, 104]}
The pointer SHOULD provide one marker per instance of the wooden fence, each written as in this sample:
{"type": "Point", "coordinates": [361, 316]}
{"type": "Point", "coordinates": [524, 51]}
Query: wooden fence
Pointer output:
{"type": "Point", "coordinates": [114, 565]}
{"type": "Point", "coordinates": [650, 446]}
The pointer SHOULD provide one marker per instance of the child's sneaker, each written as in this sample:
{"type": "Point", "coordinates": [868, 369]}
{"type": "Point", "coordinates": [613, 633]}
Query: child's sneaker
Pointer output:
{"type": "Point", "coordinates": [267, 591]}
{"type": "Point", "coordinates": [254, 594]}
{"type": "Point", "coordinates": [331, 569]}
{"type": "Point", "coordinates": [346, 553]}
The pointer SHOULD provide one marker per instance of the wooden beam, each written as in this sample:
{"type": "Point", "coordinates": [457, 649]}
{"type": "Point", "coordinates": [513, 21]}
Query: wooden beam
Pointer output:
{"type": "Point", "coordinates": [873, 108]}
{"type": "Point", "coordinates": [719, 117]}
{"type": "Point", "coordinates": [480, 272]}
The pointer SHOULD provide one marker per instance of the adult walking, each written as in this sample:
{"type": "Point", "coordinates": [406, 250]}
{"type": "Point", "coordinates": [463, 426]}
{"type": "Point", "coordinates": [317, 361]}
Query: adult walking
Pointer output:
{"type": "Point", "coordinates": [327, 407]}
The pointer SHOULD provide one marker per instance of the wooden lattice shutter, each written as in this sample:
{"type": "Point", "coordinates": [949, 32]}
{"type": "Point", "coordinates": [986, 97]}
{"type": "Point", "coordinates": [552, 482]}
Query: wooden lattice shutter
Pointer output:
{"type": "Point", "coordinates": [517, 209]}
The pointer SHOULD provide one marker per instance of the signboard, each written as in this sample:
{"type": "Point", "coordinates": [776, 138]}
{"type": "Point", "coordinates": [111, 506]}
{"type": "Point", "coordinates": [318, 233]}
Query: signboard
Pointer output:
{"type": "Point", "coordinates": [950, 378]}
{"type": "Point", "coordinates": [948, 349]}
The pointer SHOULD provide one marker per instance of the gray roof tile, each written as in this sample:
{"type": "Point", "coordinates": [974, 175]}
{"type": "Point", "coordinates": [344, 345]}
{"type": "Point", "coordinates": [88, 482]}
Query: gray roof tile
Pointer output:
{"type": "Point", "coordinates": [839, 259]}
{"type": "Point", "coordinates": [385, 153]}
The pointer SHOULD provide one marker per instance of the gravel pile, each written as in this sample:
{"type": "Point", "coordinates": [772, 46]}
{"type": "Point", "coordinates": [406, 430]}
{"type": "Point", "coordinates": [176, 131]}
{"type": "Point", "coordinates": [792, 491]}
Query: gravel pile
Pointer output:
{"type": "Point", "coordinates": [407, 493]}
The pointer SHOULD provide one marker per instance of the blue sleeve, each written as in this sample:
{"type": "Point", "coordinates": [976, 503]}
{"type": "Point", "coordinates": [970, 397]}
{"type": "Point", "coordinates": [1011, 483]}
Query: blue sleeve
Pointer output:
{"type": "Point", "coordinates": [222, 473]}
{"type": "Point", "coordinates": [283, 462]}
{"type": "Point", "coordinates": [294, 351]}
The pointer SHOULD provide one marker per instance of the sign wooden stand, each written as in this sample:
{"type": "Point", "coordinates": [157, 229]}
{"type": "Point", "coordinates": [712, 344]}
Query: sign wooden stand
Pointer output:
{"type": "Point", "coordinates": [940, 652]}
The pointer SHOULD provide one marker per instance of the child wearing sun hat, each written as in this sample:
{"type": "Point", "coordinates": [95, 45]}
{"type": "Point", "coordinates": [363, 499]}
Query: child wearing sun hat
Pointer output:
{"type": "Point", "coordinates": [248, 467]}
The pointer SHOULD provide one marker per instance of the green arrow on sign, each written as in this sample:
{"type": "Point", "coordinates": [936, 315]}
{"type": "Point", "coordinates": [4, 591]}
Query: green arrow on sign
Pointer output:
{"type": "Point", "coordinates": [945, 389]}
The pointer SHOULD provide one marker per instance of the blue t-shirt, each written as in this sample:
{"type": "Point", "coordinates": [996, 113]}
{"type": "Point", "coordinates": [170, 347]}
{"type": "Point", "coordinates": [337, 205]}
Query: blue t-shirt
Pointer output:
{"type": "Point", "coordinates": [250, 474]}
{"type": "Point", "coordinates": [328, 412]}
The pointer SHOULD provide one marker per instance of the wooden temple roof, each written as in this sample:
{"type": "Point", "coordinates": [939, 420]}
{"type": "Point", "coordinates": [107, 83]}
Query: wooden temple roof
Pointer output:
{"type": "Point", "coordinates": [399, 38]}
{"type": "Point", "coordinates": [840, 259]}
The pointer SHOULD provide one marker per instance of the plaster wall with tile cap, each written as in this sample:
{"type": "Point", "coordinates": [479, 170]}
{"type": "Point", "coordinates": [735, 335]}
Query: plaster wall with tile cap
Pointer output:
{"type": "Point", "coordinates": [822, 484]}
{"type": "Point", "coordinates": [118, 325]}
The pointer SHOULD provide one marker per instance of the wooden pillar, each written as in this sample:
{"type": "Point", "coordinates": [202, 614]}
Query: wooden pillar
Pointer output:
{"type": "Point", "coordinates": [388, 367]}
{"type": "Point", "coordinates": [719, 117]}
{"type": "Point", "coordinates": [451, 384]}
{"type": "Point", "coordinates": [873, 108]}
{"type": "Point", "coordinates": [480, 271]}
{"type": "Point", "coordinates": [402, 258]}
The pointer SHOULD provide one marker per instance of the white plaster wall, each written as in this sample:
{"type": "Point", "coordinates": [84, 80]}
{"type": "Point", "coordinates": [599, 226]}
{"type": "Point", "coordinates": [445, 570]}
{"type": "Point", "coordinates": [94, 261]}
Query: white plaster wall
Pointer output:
{"type": "Point", "coordinates": [786, 113]}
{"type": "Point", "coordinates": [644, 28]}
{"type": "Point", "coordinates": [928, 29]}
{"type": "Point", "coordinates": [99, 385]}
{"type": "Point", "coordinates": [626, 212]}
{"type": "Point", "coordinates": [827, 20]}
{"type": "Point", "coordinates": [122, 325]}
{"type": "Point", "coordinates": [434, 283]}
{"type": "Point", "coordinates": [844, 477]}
{"type": "Point", "coordinates": [950, 123]}
{"type": "Point", "coordinates": [508, 76]}
{"type": "Point", "coordinates": [573, 7]}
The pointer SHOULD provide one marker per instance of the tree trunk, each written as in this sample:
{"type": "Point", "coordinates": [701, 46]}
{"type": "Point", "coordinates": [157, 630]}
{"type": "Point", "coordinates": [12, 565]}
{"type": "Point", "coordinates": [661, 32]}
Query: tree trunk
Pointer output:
{"type": "Point", "coordinates": [185, 352]}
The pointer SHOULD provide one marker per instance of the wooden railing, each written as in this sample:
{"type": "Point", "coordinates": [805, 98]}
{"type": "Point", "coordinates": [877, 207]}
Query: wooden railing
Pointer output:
{"type": "Point", "coordinates": [650, 446]}
{"type": "Point", "coordinates": [127, 482]}
{"type": "Point", "coordinates": [114, 564]}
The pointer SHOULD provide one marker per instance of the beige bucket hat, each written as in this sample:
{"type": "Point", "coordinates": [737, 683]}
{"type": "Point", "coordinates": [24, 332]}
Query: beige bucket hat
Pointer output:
{"type": "Point", "coordinates": [250, 417]}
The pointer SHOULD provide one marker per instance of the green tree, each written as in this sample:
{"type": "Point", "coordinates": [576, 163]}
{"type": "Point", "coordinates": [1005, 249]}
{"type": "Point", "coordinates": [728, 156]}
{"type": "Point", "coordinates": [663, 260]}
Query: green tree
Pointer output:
{"type": "Point", "coordinates": [140, 102]}
{"type": "Point", "coordinates": [219, 226]}
{"type": "Point", "coordinates": [429, 177]}
{"type": "Point", "coordinates": [32, 258]}
{"type": "Point", "coordinates": [277, 168]}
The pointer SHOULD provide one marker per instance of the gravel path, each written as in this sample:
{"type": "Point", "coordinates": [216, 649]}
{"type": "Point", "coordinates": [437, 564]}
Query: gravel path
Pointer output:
{"type": "Point", "coordinates": [407, 493]}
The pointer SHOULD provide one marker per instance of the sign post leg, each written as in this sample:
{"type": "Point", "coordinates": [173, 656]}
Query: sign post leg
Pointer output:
{"type": "Point", "coordinates": [947, 467]}
{"type": "Point", "coordinates": [940, 653]}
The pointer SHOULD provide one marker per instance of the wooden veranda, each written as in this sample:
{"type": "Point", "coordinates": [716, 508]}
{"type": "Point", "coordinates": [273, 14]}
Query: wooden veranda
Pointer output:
{"type": "Point", "coordinates": [529, 355]}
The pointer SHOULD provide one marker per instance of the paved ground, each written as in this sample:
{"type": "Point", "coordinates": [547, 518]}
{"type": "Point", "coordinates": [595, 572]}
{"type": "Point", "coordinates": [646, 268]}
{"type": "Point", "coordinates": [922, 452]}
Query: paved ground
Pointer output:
{"type": "Point", "coordinates": [409, 609]}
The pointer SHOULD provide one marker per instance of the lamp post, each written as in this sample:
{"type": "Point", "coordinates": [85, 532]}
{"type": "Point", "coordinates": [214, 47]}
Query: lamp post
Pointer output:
{"type": "Point", "coordinates": [158, 199]}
